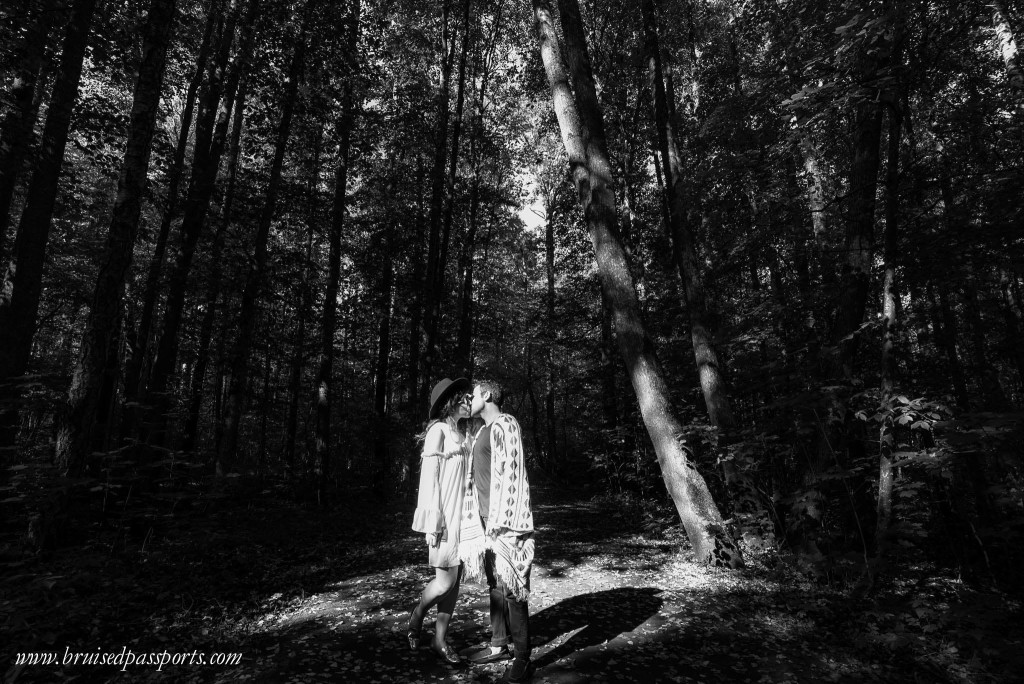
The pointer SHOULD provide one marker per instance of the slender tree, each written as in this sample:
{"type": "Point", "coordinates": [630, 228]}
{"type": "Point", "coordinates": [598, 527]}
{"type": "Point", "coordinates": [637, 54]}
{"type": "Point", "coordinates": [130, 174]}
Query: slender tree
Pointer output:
{"type": "Point", "coordinates": [209, 146]}
{"type": "Point", "coordinates": [211, 302]}
{"type": "Point", "coordinates": [140, 350]}
{"type": "Point", "coordinates": [238, 383]}
{"type": "Point", "coordinates": [325, 371]}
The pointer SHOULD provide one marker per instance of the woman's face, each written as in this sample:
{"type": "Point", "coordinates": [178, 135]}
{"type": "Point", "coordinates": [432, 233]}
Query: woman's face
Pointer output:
{"type": "Point", "coordinates": [462, 409]}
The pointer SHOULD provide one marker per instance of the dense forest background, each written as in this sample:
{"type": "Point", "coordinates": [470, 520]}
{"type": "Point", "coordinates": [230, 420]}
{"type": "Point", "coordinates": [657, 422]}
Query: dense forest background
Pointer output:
{"type": "Point", "coordinates": [244, 238]}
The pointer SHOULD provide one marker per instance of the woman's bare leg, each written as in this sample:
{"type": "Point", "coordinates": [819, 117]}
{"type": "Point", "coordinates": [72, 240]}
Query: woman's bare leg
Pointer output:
{"type": "Point", "coordinates": [445, 580]}
{"type": "Point", "coordinates": [446, 606]}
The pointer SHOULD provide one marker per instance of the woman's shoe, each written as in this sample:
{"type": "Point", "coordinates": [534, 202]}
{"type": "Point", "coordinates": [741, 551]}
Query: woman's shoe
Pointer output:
{"type": "Point", "coordinates": [413, 636]}
{"type": "Point", "coordinates": [447, 655]}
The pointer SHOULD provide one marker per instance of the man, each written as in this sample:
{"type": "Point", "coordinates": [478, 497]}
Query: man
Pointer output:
{"type": "Point", "coordinates": [503, 494]}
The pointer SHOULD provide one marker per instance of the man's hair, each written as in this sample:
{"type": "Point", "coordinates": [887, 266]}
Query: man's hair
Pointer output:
{"type": "Point", "coordinates": [492, 387]}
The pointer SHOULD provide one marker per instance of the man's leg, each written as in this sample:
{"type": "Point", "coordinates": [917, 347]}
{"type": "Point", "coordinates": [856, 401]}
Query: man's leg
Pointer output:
{"type": "Point", "coordinates": [519, 623]}
{"type": "Point", "coordinates": [499, 610]}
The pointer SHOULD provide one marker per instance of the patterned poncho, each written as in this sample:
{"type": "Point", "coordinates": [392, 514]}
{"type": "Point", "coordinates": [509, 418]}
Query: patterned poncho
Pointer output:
{"type": "Point", "coordinates": [509, 516]}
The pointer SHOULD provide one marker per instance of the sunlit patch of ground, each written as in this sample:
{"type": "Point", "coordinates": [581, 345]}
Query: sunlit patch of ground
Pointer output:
{"type": "Point", "coordinates": [306, 598]}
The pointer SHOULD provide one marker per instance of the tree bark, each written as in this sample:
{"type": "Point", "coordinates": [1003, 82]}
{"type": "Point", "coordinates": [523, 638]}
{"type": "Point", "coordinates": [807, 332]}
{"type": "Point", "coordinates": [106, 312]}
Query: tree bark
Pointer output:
{"type": "Point", "coordinates": [209, 146]}
{"type": "Point", "coordinates": [1007, 46]}
{"type": "Point", "coordinates": [16, 129]}
{"type": "Point", "coordinates": [141, 349]}
{"type": "Point", "coordinates": [325, 371]}
{"type": "Point", "coordinates": [23, 281]}
{"type": "Point", "coordinates": [238, 384]}
{"type": "Point", "coordinates": [83, 427]}
{"type": "Point", "coordinates": [582, 132]}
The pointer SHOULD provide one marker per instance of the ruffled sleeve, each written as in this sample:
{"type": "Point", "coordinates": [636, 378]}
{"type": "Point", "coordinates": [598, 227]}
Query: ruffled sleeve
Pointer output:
{"type": "Point", "coordinates": [428, 517]}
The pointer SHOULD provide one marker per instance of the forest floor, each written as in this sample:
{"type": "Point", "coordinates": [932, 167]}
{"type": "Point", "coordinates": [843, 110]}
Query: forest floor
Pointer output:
{"type": "Point", "coordinates": [307, 596]}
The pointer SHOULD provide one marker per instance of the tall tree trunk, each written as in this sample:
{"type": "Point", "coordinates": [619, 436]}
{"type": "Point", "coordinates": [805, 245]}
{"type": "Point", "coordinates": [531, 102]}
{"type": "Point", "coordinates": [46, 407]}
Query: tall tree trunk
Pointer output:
{"type": "Point", "coordinates": [1007, 46]}
{"type": "Point", "coordinates": [860, 225]}
{"type": "Point", "coordinates": [418, 302]}
{"type": "Point", "coordinates": [890, 293]}
{"type": "Point", "coordinates": [209, 146]}
{"type": "Point", "coordinates": [16, 129]}
{"type": "Point", "coordinates": [305, 304]}
{"type": "Point", "coordinates": [582, 130]}
{"type": "Point", "coordinates": [325, 372]}
{"type": "Point", "coordinates": [382, 375]}
{"type": "Point", "coordinates": [453, 164]}
{"type": "Point", "coordinates": [683, 240]}
{"type": "Point", "coordinates": [755, 522]}
{"type": "Point", "coordinates": [890, 327]}
{"type": "Point", "coordinates": [190, 431]}
{"type": "Point", "coordinates": [81, 431]}
{"type": "Point", "coordinates": [23, 281]}
{"type": "Point", "coordinates": [551, 336]}
{"type": "Point", "coordinates": [238, 384]}
{"type": "Point", "coordinates": [609, 389]}
{"type": "Point", "coordinates": [431, 302]}
{"type": "Point", "coordinates": [140, 352]}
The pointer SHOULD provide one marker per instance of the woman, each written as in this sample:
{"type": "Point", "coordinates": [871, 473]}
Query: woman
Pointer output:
{"type": "Point", "coordinates": [439, 508]}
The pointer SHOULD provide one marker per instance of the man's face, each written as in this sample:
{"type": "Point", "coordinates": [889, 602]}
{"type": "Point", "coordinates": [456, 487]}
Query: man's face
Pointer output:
{"type": "Point", "coordinates": [479, 400]}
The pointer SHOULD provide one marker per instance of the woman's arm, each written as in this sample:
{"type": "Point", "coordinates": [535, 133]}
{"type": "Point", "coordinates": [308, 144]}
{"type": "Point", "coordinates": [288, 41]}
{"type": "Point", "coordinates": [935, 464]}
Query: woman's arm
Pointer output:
{"type": "Point", "coordinates": [428, 517]}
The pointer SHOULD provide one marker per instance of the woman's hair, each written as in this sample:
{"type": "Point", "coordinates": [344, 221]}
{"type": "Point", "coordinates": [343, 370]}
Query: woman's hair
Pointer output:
{"type": "Point", "coordinates": [449, 409]}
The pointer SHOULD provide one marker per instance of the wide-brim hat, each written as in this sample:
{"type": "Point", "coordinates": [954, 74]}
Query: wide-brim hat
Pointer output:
{"type": "Point", "coordinates": [443, 390]}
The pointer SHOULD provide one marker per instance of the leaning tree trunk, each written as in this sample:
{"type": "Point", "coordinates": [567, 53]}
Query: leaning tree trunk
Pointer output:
{"type": "Point", "coordinates": [23, 282]}
{"type": "Point", "coordinates": [139, 352]}
{"type": "Point", "coordinates": [755, 523]}
{"type": "Point", "coordinates": [583, 139]}
{"type": "Point", "coordinates": [80, 430]}
{"type": "Point", "coordinates": [325, 371]}
{"type": "Point", "coordinates": [238, 384]}
{"type": "Point", "coordinates": [16, 130]}
{"type": "Point", "coordinates": [210, 145]}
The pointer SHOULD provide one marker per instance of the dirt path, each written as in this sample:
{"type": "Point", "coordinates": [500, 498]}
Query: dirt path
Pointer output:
{"type": "Point", "coordinates": [307, 598]}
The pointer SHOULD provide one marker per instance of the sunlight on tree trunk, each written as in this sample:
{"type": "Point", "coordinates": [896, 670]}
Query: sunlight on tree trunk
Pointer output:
{"type": "Point", "coordinates": [591, 172]}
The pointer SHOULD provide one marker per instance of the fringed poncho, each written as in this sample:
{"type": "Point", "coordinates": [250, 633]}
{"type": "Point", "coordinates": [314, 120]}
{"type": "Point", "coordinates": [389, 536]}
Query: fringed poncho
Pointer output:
{"type": "Point", "coordinates": [509, 516]}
